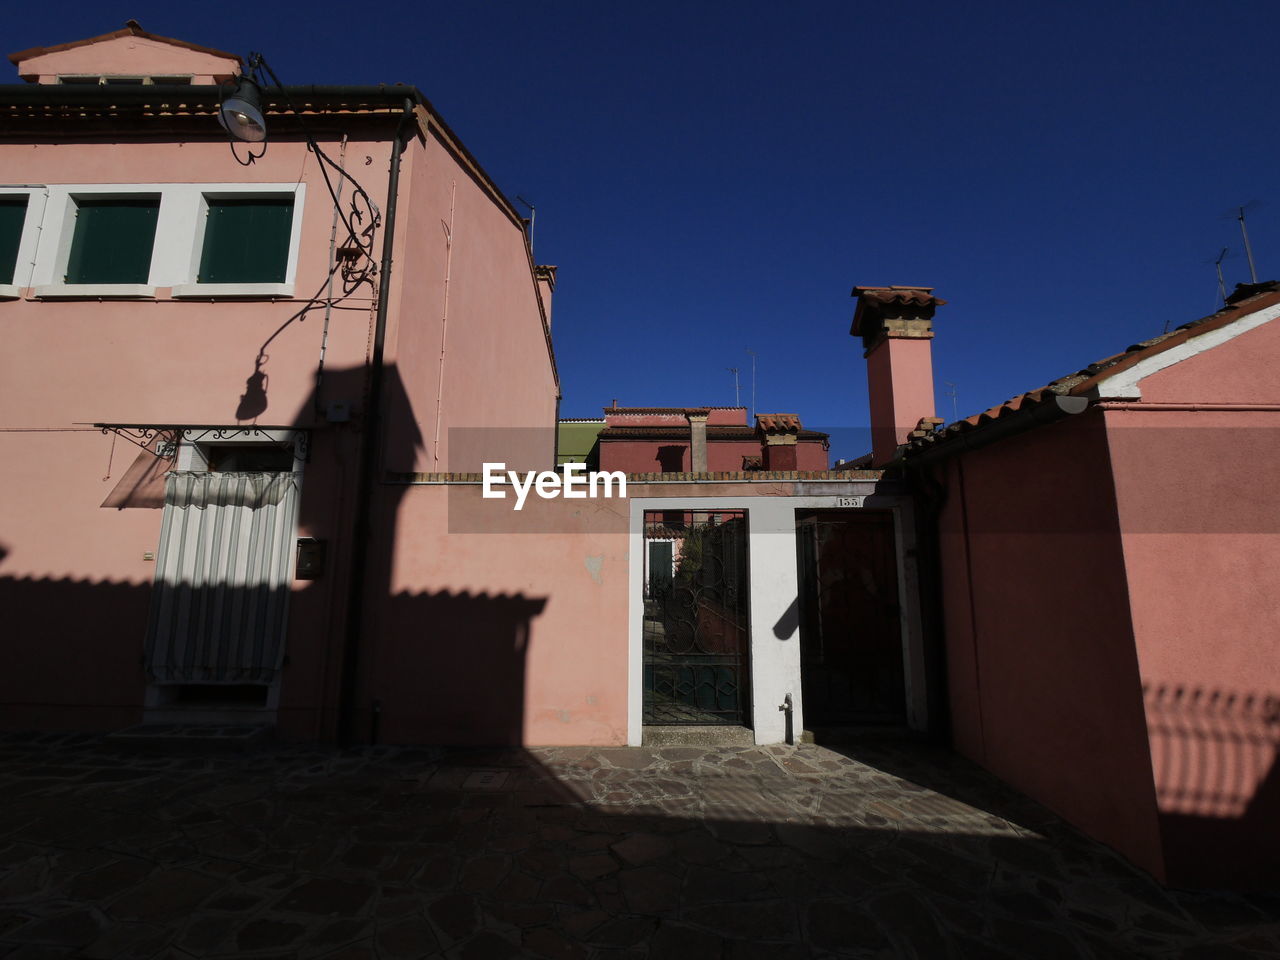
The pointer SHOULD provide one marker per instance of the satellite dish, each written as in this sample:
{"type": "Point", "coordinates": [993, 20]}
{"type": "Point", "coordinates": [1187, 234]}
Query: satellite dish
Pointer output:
{"type": "Point", "coordinates": [241, 112]}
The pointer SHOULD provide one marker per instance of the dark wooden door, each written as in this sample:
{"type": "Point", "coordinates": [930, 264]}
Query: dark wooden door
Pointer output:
{"type": "Point", "coordinates": [850, 621]}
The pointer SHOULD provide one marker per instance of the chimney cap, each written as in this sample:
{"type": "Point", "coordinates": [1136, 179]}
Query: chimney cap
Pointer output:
{"type": "Point", "coordinates": [778, 423]}
{"type": "Point", "coordinates": [869, 317]}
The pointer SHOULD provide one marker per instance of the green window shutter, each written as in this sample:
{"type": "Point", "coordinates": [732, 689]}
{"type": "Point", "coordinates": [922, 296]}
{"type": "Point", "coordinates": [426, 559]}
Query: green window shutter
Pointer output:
{"type": "Point", "coordinates": [247, 241]}
{"type": "Point", "coordinates": [113, 240]}
{"type": "Point", "coordinates": [13, 211]}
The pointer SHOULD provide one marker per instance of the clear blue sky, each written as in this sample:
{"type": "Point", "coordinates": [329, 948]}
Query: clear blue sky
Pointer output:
{"type": "Point", "coordinates": [713, 177]}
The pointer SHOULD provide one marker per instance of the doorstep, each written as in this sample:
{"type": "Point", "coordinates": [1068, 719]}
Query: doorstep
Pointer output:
{"type": "Point", "coordinates": [193, 737]}
{"type": "Point", "coordinates": [682, 735]}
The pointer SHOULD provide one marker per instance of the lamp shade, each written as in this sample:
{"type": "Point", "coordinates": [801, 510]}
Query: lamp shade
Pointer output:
{"type": "Point", "coordinates": [241, 113]}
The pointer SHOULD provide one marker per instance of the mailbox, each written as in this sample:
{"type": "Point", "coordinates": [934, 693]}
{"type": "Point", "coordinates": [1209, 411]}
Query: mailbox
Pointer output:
{"type": "Point", "coordinates": [310, 558]}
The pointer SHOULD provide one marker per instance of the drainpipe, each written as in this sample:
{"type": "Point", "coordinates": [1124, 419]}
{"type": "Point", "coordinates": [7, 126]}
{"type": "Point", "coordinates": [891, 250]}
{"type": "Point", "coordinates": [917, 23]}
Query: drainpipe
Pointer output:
{"type": "Point", "coordinates": [366, 476]}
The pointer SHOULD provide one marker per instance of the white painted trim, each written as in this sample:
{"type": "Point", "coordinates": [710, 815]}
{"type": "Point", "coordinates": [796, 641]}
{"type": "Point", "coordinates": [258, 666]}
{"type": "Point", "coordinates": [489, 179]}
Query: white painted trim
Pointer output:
{"type": "Point", "coordinates": [94, 291]}
{"type": "Point", "coordinates": [771, 559]}
{"type": "Point", "coordinates": [219, 291]}
{"type": "Point", "coordinates": [24, 263]}
{"type": "Point", "coordinates": [1126, 385]}
{"type": "Point", "coordinates": [10, 291]}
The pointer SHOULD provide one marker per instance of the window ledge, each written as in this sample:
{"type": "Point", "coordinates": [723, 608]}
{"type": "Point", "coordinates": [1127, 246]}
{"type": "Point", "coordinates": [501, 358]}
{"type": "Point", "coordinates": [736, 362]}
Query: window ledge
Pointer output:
{"type": "Point", "coordinates": [217, 291]}
{"type": "Point", "coordinates": [94, 291]}
{"type": "Point", "coordinates": [10, 291]}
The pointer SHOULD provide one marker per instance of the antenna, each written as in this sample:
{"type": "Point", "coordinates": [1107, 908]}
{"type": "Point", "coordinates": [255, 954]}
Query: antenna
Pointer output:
{"type": "Point", "coordinates": [1238, 216]}
{"type": "Point", "coordinates": [1222, 287]}
{"type": "Point", "coordinates": [1248, 250]}
{"type": "Point", "coordinates": [753, 383]}
{"type": "Point", "coordinates": [952, 392]}
{"type": "Point", "coordinates": [1224, 254]}
{"type": "Point", "coordinates": [533, 217]}
{"type": "Point", "coordinates": [737, 394]}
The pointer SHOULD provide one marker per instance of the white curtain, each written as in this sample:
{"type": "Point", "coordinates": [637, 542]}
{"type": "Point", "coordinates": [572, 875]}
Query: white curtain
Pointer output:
{"type": "Point", "coordinates": [223, 574]}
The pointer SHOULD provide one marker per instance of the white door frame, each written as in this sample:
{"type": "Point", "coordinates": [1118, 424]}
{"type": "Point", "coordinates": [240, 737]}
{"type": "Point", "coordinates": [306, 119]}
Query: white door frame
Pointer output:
{"type": "Point", "coordinates": [775, 591]}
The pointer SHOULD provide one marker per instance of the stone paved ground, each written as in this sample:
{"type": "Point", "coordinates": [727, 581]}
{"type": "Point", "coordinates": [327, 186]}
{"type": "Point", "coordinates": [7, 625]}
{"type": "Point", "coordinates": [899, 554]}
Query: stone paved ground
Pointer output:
{"type": "Point", "coordinates": [735, 853]}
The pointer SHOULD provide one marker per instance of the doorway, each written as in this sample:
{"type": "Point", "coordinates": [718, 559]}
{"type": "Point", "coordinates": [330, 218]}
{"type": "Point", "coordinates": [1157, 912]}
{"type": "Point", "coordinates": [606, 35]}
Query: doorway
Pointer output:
{"type": "Point", "coordinates": [219, 608]}
{"type": "Point", "coordinates": [851, 646]}
{"type": "Point", "coordinates": [696, 628]}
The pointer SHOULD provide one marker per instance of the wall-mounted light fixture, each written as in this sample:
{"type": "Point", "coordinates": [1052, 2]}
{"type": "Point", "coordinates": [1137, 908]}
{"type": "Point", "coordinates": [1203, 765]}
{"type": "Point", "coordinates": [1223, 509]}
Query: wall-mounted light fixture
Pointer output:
{"type": "Point", "coordinates": [241, 111]}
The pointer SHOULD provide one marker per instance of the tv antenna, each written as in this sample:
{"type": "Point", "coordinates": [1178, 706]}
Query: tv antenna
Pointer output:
{"type": "Point", "coordinates": [952, 393]}
{"type": "Point", "coordinates": [1222, 286]}
{"type": "Point", "coordinates": [752, 354]}
{"type": "Point", "coordinates": [737, 395]}
{"type": "Point", "coordinates": [533, 216]}
{"type": "Point", "coordinates": [1238, 216]}
{"type": "Point", "coordinates": [1224, 254]}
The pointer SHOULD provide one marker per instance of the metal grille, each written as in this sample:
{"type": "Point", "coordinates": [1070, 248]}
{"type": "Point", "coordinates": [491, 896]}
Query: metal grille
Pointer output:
{"type": "Point", "coordinates": [696, 617]}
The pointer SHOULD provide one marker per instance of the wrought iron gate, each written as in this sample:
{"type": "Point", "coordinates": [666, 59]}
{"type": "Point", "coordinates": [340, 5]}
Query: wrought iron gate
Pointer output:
{"type": "Point", "coordinates": [696, 617]}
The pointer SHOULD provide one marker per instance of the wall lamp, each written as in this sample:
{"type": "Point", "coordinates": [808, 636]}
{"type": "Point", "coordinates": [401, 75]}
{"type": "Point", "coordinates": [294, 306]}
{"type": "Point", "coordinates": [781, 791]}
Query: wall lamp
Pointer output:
{"type": "Point", "coordinates": [241, 111]}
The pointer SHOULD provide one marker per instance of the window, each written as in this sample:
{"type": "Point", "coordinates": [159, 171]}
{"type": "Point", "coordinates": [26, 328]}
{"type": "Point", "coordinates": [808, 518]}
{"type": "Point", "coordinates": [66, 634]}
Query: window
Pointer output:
{"type": "Point", "coordinates": [246, 240]}
{"type": "Point", "coordinates": [13, 213]}
{"type": "Point", "coordinates": [113, 239]}
{"type": "Point", "coordinates": [100, 80]}
{"type": "Point", "coordinates": [130, 241]}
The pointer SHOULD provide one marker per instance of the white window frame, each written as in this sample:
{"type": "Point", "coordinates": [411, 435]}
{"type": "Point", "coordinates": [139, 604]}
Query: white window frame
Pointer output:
{"type": "Point", "coordinates": [194, 289]}
{"type": "Point", "coordinates": [175, 255]}
{"type": "Point", "coordinates": [37, 198]}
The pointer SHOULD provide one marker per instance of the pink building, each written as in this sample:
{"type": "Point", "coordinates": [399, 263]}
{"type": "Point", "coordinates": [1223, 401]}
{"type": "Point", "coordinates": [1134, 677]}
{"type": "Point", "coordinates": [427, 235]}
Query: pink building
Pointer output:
{"type": "Point", "coordinates": [1096, 547]}
{"type": "Point", "coordinates": [716, 439]}
{"type": "Point", "coordinates": [210, 368]}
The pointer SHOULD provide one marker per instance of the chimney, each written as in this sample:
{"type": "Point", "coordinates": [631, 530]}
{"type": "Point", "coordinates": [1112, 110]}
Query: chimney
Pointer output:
{"type": "Point", "coordinates": [698, 439]}
{"type": "Point", "coordinates": [546, 277]}
{"type": "Point", "coordinates": [779, 434]}
{"type": "Point", "coordinates": [896, 327]}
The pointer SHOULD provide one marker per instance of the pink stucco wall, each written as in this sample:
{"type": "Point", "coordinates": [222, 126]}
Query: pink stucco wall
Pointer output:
{"type": "Point", "coordinates": [129, 55]}
{"type": "Point", "coordinates": [155, 361]}
{"type": "Point", "coordinates": [516, 635]}
{"type": "Point", "coordinates": [900, 391]}
{"type": "Point", "coordinates": [72, 576]}
{"type": "Point", "coordinates": [1200, 525]}
{"type": "Point", "coordinates": [495, 386]}
{"type": "Point", "coordinates": [1109, 649]}
{"type": "Point", "coordinates": [1042, 675]}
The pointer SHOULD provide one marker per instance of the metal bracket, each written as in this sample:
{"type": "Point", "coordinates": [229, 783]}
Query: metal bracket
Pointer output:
{"type": "Point", "coordinates": [162, 440]}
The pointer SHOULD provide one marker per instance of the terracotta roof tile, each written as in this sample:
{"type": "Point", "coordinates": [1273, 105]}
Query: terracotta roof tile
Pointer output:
{"type": "Point", "coordinates": [1247, 299]}
{"type": "Point", "coordinates": [917, 296]}
{"type": "Point", "coordinates": [778, 422]}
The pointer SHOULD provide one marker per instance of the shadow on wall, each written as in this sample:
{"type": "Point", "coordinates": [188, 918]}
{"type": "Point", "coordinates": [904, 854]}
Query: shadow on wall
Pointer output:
{"type": "Point", "coordinates": [1217, 782]}
{"type": "Point", "coordinates": [452, 664]}
{"type": "Point", "coordinates": [448, 666]}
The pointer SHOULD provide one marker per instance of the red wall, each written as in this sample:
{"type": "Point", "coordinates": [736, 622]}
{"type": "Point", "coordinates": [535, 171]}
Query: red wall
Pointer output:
{"type": "Point", "coordinates": [1043, 677]}
{"type": "Point", "coordinates": [643, 456]}
{"type": "Point", "coordinates": [1197, 502]}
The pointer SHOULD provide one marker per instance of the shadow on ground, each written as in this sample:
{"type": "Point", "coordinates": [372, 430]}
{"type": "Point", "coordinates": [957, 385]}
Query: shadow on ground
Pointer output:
{"type": "Point", "coordinates": [877, 851]}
